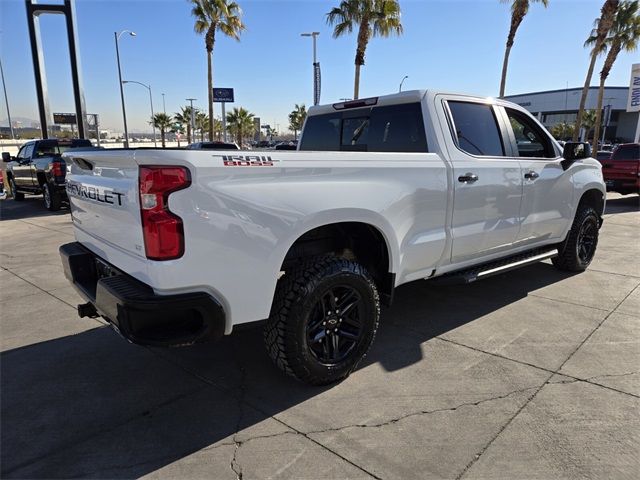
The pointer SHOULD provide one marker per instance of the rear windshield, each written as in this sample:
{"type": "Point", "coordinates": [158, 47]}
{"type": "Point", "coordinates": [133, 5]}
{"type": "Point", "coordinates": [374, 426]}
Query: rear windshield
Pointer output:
{"type": "Point", "coordinates": [627, 152]}
{"type": "Point", "coordinates": [394, 128]}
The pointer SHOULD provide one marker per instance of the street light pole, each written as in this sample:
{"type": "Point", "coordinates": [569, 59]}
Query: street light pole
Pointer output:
{"type": "Point", "coordinates": [6, 100]}
{"type": "Point", "coordinates": [316, 68]}
{"type": "Point", "coordinates": [164, 107]}
{"type": "Point", "coordinates": [124, 111]}
{"type": "Point", "coordinates": [193, 119]}
{"type": "Point", "coordinates": [148, 87]}
{"type": "Point", "coordinates": [405, 77]}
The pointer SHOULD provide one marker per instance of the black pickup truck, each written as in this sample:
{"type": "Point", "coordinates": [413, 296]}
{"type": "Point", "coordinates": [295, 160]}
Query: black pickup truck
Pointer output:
{"type": "Point", "coordinates": [39, 169]}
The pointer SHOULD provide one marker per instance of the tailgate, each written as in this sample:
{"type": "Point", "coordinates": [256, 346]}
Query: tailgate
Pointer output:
{"type": "Point", "coordinates": [102, 186]}
{"type": "Point", "coordinates": [620, 169]}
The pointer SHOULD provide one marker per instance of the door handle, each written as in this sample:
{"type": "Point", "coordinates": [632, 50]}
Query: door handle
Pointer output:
{"type": "Point", "coordinates": [468, 178]}
{"type": "Point", "coordinates": [531, 175]}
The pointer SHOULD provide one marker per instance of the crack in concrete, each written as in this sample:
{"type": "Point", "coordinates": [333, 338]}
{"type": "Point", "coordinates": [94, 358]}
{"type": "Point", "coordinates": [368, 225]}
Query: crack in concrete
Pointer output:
{"type": "Point", "coordinates": [556, 372]}
{"type": "Point", "coordinates": [421, 412]}
{"type": "Point", "coordinates": [235, 464]}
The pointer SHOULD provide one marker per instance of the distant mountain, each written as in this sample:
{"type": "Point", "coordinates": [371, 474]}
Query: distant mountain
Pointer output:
{"type": "Point", "coordinates": [26, 122]}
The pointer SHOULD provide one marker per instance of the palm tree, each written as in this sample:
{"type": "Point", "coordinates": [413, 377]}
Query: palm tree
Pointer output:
{"type": "Point", "coordinates": [217, 128]}
{"type": "Point", "coordinates": [519, 9]}
{"type": "Point", "coordinates": [184, 117]}
{"type": "Point", "coordinates": [162, 121]}
{"type": "Point", "coordinates": [588, 121]}
{"type": "Point", "coordinates": [213, 16]}
{"type": "Point", "coordinates": [202, 124]}
{"type": "Point", "coordinates": [240, 124]}
{"type": "Point", "coordinates": [296, 119]}
{"type": "Point", "coordinates": [623, 35]}
{"type": "Point", "coordinates": [607, 15]}
{"type": "Point", "coordinates": [562, 130]}
{"type": "Point", "coordinates": [373, 18]}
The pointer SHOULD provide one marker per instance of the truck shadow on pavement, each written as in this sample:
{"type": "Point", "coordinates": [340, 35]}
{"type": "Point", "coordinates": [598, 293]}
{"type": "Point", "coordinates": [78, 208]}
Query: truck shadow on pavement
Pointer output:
{"type": "Point", "coordinates": [32, 206]}
{"type": "Point", "coordinates": [93, 405]}
{"type": "Point", "coordinates": [626, 204]}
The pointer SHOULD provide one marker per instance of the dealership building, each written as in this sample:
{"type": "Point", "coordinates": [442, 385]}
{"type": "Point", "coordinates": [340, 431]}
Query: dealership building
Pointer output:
{"type": "Point", "coordinates": [555, 106]}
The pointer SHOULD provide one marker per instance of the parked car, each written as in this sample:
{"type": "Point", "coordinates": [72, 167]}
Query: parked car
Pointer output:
{"type": "Point", "coordinates": [383, 191]}
{"type": "Point", "coordinates": [213, 146]}
{"type": "Point", "coordinates": [38, 168]}
{"type": "Point", "coordinates": [622, 170]}
{"type": "Point", "coordinates": [286, 146]}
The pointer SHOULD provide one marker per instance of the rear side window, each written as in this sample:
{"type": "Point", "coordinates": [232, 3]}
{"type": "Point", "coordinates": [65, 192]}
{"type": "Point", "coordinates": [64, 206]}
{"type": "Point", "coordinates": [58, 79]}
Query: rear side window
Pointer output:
{"type": "Point", "coordinates": [47, 149]}
{"type": "Point", "coordinates": [393, 128]}
{"type": "Point", "coordinates": [626, 152]}
{"type": "Point", "coordinates": [476, 129]}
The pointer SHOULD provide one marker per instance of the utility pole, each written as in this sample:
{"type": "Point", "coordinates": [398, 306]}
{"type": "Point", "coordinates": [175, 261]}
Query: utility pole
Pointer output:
{"type": "Point", "coordinates": [124, 111]}
{"type": "Point", "coordinates": [6, 101]}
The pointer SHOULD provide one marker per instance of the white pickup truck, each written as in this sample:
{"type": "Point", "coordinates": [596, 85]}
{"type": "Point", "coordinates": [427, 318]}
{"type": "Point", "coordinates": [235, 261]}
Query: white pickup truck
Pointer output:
{"type": "Point", "coordinates": [179, 246]}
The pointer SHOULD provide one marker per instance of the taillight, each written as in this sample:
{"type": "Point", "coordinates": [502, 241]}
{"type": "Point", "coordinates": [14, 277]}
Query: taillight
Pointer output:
{"type": "Point", "coordinates": [163, 231]}
{"type": "Point", "coordinates": [56, 169]}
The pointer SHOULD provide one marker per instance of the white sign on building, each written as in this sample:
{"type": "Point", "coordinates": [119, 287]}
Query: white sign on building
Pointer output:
{"type": "Point", "coordinates": [633, 104]}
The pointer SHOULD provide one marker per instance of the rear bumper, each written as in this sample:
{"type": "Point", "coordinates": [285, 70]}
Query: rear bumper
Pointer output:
{"type": "Point", "coordinates": [630, 184]}
{"type": "Point", "coordinates": [133, 308]}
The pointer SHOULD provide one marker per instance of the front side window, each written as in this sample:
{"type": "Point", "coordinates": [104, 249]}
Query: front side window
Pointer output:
{"type": "Point", "coordinates": [530, 139]}
{"type": "Point", "coordinates": [25, 152]}
{"type": "Point", "coordinates": [476, 129]}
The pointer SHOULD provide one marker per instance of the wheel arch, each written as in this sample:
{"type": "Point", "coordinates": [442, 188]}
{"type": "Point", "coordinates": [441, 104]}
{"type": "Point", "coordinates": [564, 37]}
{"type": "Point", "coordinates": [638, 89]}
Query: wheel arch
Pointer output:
{"type": "Point", "coordinates": [593, 197]}
{"type": "Point", "coordinates": [362, 241]}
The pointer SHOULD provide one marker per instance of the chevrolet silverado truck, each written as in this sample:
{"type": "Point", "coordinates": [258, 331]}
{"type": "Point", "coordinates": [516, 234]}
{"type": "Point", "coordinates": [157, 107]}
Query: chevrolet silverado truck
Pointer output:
{"type": "Point", "coordinates": [175, 247]}
{"type": "Point", "coordinates": [621, 171]}
{"type": "Point", "coordinates": [39, 169]}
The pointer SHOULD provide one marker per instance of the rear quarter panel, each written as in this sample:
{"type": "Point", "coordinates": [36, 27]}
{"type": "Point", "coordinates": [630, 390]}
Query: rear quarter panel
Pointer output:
{"type": "Point", "coordinates": [240, 221]}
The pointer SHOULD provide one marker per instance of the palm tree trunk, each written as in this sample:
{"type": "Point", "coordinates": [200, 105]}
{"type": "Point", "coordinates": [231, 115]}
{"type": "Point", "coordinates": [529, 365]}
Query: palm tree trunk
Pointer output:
{"type": "Point", "coordinates": [356, 83]}
{"type": "Point", "coordinates": [505, 64]}
{"type": "Point", "coordinates": [162, 137]}
{"type": "Point", "coordinates": [363, 39]}
{"type": "Point", "coordinates": [583, 98]}
{"type": "Point", "coordinates": [596, 127]}
{"type": "Point", "coordinates": [188, 133]}
{"type": "Point", "coordinates": [210, 85]}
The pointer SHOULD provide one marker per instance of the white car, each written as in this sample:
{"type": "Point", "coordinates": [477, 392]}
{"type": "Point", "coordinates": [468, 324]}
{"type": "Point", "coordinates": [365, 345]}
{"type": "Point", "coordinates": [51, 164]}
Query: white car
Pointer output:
{"type": "Point", "coordinates": [177, 246]}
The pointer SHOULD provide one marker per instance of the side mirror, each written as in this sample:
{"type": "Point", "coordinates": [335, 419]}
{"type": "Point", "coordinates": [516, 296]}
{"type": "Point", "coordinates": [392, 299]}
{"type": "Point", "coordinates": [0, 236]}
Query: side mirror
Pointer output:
{"type": "Point", "coordinates": [576, 151]}
{"type": "Point", "coordinates": [6, 157]}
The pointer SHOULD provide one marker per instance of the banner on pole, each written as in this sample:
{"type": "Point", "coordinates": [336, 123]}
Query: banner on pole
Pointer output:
{"type": "Point", "coordinates": [633, 104]}
{"type": "Point", "coordinates": [316, 83]}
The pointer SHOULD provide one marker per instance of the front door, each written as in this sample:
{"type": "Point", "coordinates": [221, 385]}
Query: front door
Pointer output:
{"type": "Point", "coordinates": [22, 168]}
{"type": "Point", "coordinates": [487, 184]}
{"type": "Point", "coordinates": [547, 190]}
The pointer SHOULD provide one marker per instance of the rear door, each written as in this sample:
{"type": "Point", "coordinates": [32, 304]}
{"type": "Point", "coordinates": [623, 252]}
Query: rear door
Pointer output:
{"type": "Point", "coordinates": [547, 189]}
{"type": "Point", "coordinates": [487, 183]}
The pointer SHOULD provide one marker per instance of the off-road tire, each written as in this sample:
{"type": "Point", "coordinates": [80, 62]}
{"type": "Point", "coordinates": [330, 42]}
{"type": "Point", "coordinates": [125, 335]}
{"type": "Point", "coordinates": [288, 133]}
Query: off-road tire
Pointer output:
{"type": "Point", "coordinates": [17, 196]}
{"type": "Point", "coordinates": [569, 257]}
{"type": "Point", "coordinates": [52, 199]}
{"type": "Point", "coordinates": [297, 296]}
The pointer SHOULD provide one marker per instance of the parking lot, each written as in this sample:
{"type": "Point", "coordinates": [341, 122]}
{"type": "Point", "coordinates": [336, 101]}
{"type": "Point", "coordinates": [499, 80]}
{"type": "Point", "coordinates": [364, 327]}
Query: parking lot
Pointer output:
{"type": "Point", "coordinates": [531, 374]}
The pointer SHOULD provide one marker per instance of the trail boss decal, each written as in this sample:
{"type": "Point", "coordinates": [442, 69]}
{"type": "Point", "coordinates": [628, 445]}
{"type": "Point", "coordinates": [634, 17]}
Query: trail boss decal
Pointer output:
{"type": "Point", "coordinates": [246, 160]}
{"type": "Point", "coordinates": [92, 193]}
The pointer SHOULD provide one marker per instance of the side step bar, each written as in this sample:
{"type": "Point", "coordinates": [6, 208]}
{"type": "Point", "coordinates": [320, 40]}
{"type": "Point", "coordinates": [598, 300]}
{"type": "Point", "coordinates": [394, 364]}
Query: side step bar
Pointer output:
{"type": "Point", "coordinates": [494, 268]}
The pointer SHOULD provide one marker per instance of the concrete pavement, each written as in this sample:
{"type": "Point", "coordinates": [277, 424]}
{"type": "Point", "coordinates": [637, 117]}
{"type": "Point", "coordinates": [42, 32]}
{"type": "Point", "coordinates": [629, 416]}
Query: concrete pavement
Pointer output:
{"type": "Point", "coordinates": [532, 374]}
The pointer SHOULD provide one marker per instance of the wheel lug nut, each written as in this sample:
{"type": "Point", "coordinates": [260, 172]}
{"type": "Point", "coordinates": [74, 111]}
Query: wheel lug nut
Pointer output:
{"type": "Point", "coordinates": [324, 323]}
{"type": "Point", "coordinates": [335, 329]}
{"type": "Point", "coordinates": [336, 299]}
{"type": "Point", "coordinates": [328, 332]}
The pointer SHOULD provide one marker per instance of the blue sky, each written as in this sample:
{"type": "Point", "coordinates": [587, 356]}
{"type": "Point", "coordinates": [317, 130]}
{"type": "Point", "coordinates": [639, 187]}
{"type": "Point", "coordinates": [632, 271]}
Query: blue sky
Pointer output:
{"type": "Point", "coordinates": [455, 45]}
